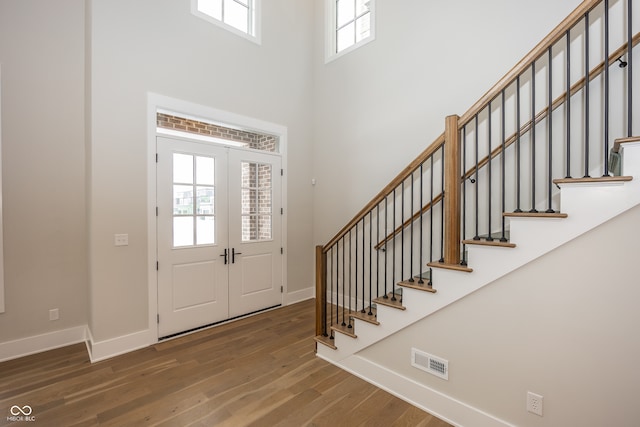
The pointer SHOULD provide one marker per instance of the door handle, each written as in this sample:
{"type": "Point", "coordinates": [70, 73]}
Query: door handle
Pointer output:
{"type": "Point", "coordinates": [233, 255]}
{"type": "Point", "coordinates": [225, 256]}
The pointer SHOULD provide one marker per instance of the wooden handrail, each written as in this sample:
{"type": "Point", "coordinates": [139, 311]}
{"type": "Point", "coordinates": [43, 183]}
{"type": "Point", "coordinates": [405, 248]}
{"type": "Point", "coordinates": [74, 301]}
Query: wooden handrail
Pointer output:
{"type": "Point", "coordinates": [533, 55]}
{"type": "Point", "coordinates": [406, 172]}
{"type": "Point", "coordinates": [560, 100]}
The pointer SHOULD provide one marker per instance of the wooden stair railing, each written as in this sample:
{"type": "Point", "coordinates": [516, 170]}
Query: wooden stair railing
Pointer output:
{"type": "Point", "coordinates": [453, 145]}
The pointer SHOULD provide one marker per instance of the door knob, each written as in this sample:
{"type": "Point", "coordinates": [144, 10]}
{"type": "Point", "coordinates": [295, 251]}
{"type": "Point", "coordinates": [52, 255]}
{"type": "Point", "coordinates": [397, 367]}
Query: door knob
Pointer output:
{"type": "Point", "coordinates": [225, 256]}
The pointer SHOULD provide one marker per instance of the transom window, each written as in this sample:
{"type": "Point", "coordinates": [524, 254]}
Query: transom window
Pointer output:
{"type": "Point", "coordinates": [238, 16]}
{"type": "Point", "coordinates": [350, 24]}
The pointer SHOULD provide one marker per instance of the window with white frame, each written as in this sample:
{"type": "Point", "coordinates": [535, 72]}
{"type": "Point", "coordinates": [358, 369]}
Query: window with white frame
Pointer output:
{"type": "Point", "coordinates": [350, 24]}
{"type": "Point", "coordinates": [241, 17]}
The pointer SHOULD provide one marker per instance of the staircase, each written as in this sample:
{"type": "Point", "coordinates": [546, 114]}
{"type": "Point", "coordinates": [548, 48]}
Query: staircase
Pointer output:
{"type": "Point", "coordinates": [512, 179]}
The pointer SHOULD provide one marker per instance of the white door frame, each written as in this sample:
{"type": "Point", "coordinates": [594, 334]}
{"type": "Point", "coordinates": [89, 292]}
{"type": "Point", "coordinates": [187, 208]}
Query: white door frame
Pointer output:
{"type": "Point", "coordinates": [187, 109]}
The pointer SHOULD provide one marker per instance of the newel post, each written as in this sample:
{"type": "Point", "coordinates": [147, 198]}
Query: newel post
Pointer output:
{"type": "Point", "coordinates": [452, 191]}
{"type": "Point", "coordinates": [321, 290]}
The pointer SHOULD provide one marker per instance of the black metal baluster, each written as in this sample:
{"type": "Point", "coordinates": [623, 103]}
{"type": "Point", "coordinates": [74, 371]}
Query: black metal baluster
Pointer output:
{"type": "Point", "coordinates": [344, 283]}
{"type": "Point", "coordinates": [370, 260]}
{"type": "Point", "coordinates": [489, 238]}
{"type": "Point", "coordinates": [422, 265]}
{"type": "Point", "coordinates": [431, 219]}
{"type": "Point", "coordinates": [586, 95]}
{"type": "Point", "coordinates": [477, 236]}
{"type": "Point", "coordinates": [402, 235]}
{"type": "Point", "coordinates": [503, 166]}
{"type": "Point", "coordinates": [533, 138]}
{"type": "Point", "coordinates": [393, 251]}
{"type": "Point", "coordinates": [412, 221]}
{"type": "Point", "coordinates": [550, 129]}
{"type": "Point", "coordinates": [350, 286]}
{"type": "Point", "coordinates": [442, 206]}
{"type": "Point", "coordinates": [386, 242]}
{"type": "Point", "coordinates": [356, 262]}
{"type": "Point", "coordinates": [629, 69]}
{"type": "Point", "coordinates": [568, 104]}
{"type": "Point", "coordinates": [363, 264]}
{"type": "Point", "coordinates": [606, 88]}
{"type": "Point", "coordinates": [518, 137]}
{"type": "Point", "coordinates": [378, 251]}
{"type": "Point", "coordinates": [337, 290]}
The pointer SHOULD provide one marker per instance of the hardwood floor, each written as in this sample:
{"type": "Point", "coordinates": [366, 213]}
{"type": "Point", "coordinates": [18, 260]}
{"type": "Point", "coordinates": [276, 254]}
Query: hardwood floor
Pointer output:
{"type": "Point", "coordinates": [258, 371]}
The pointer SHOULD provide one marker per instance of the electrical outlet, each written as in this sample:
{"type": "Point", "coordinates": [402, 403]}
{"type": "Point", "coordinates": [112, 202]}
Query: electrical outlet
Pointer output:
{"type": "Point", "coordinates": [534, 403]}
{"type": "Point", "coordinates": [121, 239]}
{"type": "Point", "coordinates": [54, 314]}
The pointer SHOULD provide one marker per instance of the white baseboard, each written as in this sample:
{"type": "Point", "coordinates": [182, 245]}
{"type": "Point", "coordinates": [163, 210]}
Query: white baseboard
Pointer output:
{"type": "Point", "coordinates": [432, 401]}
{"type": "Point", "coordinates": [39, 343]}
{"type": "Point", "coordinates": [106, 349]}
{"type": "Point", "coordinates": [301, 295]}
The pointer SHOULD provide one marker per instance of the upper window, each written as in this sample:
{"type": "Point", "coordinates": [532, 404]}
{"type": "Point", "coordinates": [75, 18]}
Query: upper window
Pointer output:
{"type": "Point", "coordinates": [238, 16]}
{"type": "Point", "coordinates": [350, 24]}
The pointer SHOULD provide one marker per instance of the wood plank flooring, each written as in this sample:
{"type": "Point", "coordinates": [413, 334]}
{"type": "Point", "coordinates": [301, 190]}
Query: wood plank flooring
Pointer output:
{"type": "Point", "coordinates": [258, 371]}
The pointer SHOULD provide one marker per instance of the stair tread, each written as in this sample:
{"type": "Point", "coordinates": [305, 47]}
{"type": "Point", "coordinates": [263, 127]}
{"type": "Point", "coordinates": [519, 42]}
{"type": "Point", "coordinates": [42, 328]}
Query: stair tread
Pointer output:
{"type": "Point", "coordinates": [535, 214]}
{"type": "Point", "coordinates": [349, 331]}
{"type": "Point", "coordinates": [373, 319]}
{"type": "Point", "coordinates": [325, 341]}
{"type": "Point", "coordinates": [485, 242]}
{"type": "Point", "coordinates": [419, 286]}
{"type": "Point", "coordinates": [603, 179]}
{"type": "Point", "coordinates": [618, 141]}
{"type": "Point", "coordinates": [389, 302]}
{"type": "Point", "coordinates": [456, 267]}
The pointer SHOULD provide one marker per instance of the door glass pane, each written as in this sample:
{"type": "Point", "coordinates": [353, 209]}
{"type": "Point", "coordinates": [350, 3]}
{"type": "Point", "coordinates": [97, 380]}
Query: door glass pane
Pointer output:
{"type": "Point", "coordinates": [182, 168]}
{"type": "Point", "coordinates": [248, 201]}
{"type": "Point", "coordinates": [205, 170]}
{"type": "Point", "coordinates": [264, 201]}
{"type": "Point", "coordinates": [257, 202]}
{"type": "Point", "coordinates": [182, 199]}
{"type": "Point", "coordinates": [193, 202]}
{"type": "Point", "coordinates": [182, 231]}
{"type": "Point", "coordinates": [205, 230]}
{"type": "Point", "coordinates": [249, 228]}
{"type": "Point", "coordinates": [264, 227]}
{"type": "Point", "coordinates": [204, 201]}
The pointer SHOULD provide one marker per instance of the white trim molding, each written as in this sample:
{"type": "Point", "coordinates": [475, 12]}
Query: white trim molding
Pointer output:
{"type": "Point", "coordinates": [445, 407]}
{"type": "Point", "coordinates": [299, 296]}
{"type": "Point", "coordinates": [43, 342]}
{"type": "Point", "coordinates": [106, 349]}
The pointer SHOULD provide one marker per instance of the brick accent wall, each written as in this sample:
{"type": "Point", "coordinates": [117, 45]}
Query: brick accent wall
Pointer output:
{"type": "Point", "coordinates": [256, 141]}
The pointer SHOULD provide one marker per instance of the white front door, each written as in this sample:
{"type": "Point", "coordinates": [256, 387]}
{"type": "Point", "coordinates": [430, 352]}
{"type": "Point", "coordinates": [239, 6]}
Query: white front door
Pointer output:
{"type": "Point", "coordinates": [255, 230]}
{"type": "Point", "coordinates": [218, 232]}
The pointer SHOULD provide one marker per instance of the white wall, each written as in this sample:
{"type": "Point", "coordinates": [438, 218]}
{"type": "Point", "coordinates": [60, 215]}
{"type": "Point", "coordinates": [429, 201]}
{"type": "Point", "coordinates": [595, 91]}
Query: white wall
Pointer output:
{"type": "Point", "coordinates": [160, 47]}
{"type": "Point", "coordinates": [562, 326]}
{"type": "Point", "coordinates": [42, 57]}
{"type": "Point", "coordinates": [378, 107]}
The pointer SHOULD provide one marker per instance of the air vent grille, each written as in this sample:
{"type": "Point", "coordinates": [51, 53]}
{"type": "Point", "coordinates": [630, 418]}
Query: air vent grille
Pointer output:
{"type": "Point", "coordinates": [430, 363]}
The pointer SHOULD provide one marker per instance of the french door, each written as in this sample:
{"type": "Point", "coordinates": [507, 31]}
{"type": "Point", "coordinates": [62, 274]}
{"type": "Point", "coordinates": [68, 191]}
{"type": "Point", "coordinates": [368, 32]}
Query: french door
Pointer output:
{"type": "Point", "coordinates": [219, 233]}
